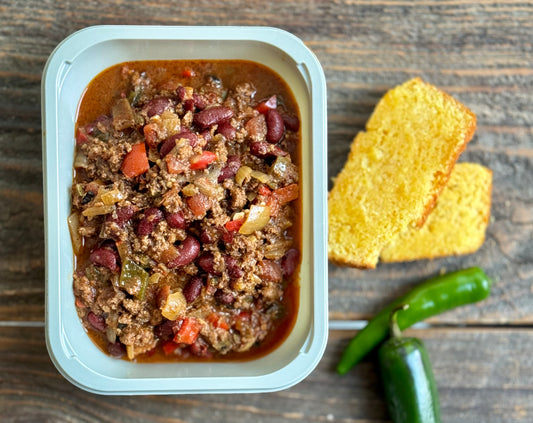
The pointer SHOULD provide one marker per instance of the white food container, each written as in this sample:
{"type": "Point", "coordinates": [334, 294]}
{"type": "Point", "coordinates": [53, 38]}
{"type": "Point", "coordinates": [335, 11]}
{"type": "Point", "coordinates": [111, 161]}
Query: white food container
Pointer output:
{"type": "Point", "coordinates": [70, 68]}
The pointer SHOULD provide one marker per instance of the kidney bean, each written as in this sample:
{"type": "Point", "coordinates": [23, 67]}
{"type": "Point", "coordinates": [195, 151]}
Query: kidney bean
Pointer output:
{"type": "Point", "coordinates": [224, 297]}
{"type": "Point", "coordinates": [188, 251]}
{"type": "Point", "coordinates": [124, 214]}
{"type": "Point", "coordinates": [147, 224]}
{"type": "Point", "coordinates": [232, 166]}
{"type": "Point", "coordinates": [188, 105]}
{"type": "Point", "coordinates": [232, 267]}
{"type": "Point", "coordinates": [264, 150]}
{"type": "Point", "coordinates": [191, 136]}
{"type": "Point", "coordinates": [106, 257]}
{"type": "Point", "coordinates": [291, 122]}
{"type": "Point", "coordinates": [209, 236]}
{"type": "Point", "coordinates": [270, 271]}
{"type": "Point", "coordinates": [289, 262]}
{"type": "Point", "coordinates": [212, 116]}
{"type": "Point", "coordinates": [170, 142]}
{"type": "Point", "coordinates": [200, 348]}
{"type": "Point", "coordinates": [104, 120]}
{"type": "Point", "coordinates": [256, 128]}
{"type": "Point", "coordinates": [227, 236]}
{"type": "Point", "coordinates": [207, 135]}
{"type": "Point", "coordinates": [175, 220]}
{"type": "Point", "coordinates": [275, 126]}
{"type": "Point", "coordinates": [97, 322]}
{"type": "Point", "coordinates": [180, 92]}
{"type": "Point", "coordinates": [193, 288]}
{"type": "Point", "coordinates": [167, 146]}
{"type": "Point", "coordinates": [207, 262]}
{"type": "Point", "coordinates": [165, 330]}
{"type": "Point", "coordinates": [156, 106]}
{"type": "Point", "coordinates": [227, 130]}
{"type": "Point", "coordinates": [116, 349]}
{"type": "Point", "coordinates": [199, 101]}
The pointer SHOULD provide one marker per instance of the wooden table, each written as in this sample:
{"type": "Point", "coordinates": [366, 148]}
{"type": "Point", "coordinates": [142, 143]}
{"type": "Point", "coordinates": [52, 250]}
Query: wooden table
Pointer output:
{"type": "Point", "coordinates": [481, 52]}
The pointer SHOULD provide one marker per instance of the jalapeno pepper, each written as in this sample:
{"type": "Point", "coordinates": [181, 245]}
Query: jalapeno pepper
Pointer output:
{"type": "Point", "coordinates": [410, 388]}
{"type": "Point", "coordinates": [432, 297]}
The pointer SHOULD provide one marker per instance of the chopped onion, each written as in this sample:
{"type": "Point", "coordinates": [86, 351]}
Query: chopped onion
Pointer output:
{"type": "Point", "coordinates": [81, 160]}
{"type": "Point", "coordinates": [208, 188]}
{"type": "Point", "coordinates": [190, 190]}
{"type": "Point", "coordinates": [73, 226]}
{"type": "Point", "coordinates": [97, 210]}
{"type": "Point", "coordinates": [174, 306]}
{"type": "Point", "coordinates": [277, 250]}
{"type": "Point", "coordinates": [257, 219]}
{"type": "Point", "coordinates": [242, 174]}
{"type": "Point", "coordinates": [111, 197]}
{"type": "Point", "coordinates": [154, 278]}
{"type": "Point", "coordinates": [130, 352]}
{"type": "Point", "coordinates": [260, 176]}
{"type": "Point", "coordinates": [124, 250]}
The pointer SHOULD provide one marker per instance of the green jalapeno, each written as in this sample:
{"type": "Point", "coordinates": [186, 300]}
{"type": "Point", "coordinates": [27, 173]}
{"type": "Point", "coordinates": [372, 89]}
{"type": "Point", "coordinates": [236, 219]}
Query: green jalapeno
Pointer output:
{"type": "Point", "coordinates": [431, 297]}
{"type": "Point", "coordinates": [410, 389]}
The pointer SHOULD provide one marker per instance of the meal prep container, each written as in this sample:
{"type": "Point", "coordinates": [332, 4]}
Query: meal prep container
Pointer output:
{"type": "Point", "coordinates": [70, 68]}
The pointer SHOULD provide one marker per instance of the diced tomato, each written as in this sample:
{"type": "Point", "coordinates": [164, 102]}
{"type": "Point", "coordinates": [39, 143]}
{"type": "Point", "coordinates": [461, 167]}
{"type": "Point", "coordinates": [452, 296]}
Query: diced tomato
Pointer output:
{"type": "Point", "coordinates": [217, 321]}
{"type": "Point", "coordinates": [281, 196]}
{"type": "Point", "coordinates": [264, 190]}
{"type": "Point", "coordinates": [81, 136]}
{"type": "Point", "coordinates": [286, 194]}
{"type": "Point", "coordinates": [188, 332]}
{"type": "Point", "coordinates": [234, 225]}
{"type": "Point", "coordinates": [267, 105]}
{"type": "Point", "coordinates": [136, 162]}
{"type": "Point", "coordinates": [203, 160]}
{"type": "Point", "coordinates": [169, 347]}
{"type": "Point", "coordinates": [198, 204]}
{"type": "Point", "coordinates": [175, 165]}
{"type": "Point", "coordinates": [150, 134]}
{"type": "Point", "coordinates": [188, 73]}
{"type": "Point", "coordinates": [245, 315]}
{"type": "Point", "coordinates": [274, 205]}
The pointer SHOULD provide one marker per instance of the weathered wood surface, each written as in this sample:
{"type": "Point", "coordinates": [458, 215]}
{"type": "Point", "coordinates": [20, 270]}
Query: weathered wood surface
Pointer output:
{"type": "Point", "coordinates": [477, 383]}
{"type": "Point", "coordinates": [479, 51]}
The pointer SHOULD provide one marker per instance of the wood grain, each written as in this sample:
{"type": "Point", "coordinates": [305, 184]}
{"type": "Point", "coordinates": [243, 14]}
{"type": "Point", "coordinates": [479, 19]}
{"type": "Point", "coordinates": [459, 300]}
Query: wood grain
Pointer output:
{"type": "Point", "coordinates": [476, 382]}
{"type": "Point", "coordinates": [478, 51]}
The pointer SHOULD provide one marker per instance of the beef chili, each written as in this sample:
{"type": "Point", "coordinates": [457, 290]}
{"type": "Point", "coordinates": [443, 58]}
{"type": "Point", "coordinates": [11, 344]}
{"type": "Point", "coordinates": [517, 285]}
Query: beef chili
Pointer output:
{"type": "Point", "coordinates": [185, 215]}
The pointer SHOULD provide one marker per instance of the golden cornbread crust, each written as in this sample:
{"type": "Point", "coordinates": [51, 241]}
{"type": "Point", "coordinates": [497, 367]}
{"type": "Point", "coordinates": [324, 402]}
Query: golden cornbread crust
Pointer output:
{"type": "Point", "coordinates": [395, 171]}
{"type": "Point", "coordinates": [458, 223]}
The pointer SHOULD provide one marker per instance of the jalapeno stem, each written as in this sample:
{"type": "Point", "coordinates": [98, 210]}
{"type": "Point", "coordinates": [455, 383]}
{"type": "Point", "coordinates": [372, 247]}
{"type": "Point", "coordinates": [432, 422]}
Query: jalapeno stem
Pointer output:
{"type": "Point", "coordinates": [395, 331]}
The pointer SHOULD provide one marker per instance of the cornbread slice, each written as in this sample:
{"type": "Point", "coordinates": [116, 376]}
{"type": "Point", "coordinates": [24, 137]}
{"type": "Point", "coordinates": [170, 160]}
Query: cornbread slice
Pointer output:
{"type": "Point", "coordinates": [456, 225]}
{"type": "Point", "coordinates": [395, 170]}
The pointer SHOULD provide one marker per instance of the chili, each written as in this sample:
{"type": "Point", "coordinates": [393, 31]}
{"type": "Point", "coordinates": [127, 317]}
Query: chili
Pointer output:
{"type": "Point", "coordinates": [434, 296]}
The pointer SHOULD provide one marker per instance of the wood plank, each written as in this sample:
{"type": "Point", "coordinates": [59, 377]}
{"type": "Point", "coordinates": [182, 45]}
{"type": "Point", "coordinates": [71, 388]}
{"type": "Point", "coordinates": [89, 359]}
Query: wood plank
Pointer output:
{"type": "Point", "coordinates": [477, 382]}
{"type": "Point", "coordinates": [480, 52]}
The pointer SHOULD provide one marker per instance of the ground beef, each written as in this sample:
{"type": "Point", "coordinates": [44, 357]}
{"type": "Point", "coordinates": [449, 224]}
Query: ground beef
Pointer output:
{"type": "Point", "coordinates": [168, 263]}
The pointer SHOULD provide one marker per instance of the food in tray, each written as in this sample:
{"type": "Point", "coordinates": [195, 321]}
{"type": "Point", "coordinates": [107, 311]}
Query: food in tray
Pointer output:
{"type": "Point", "coordinates": [395, 171]}
{"type": "Point", "coordinates": [456, 225]}
{"type": "Point", "coordinates": [185, 210]}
